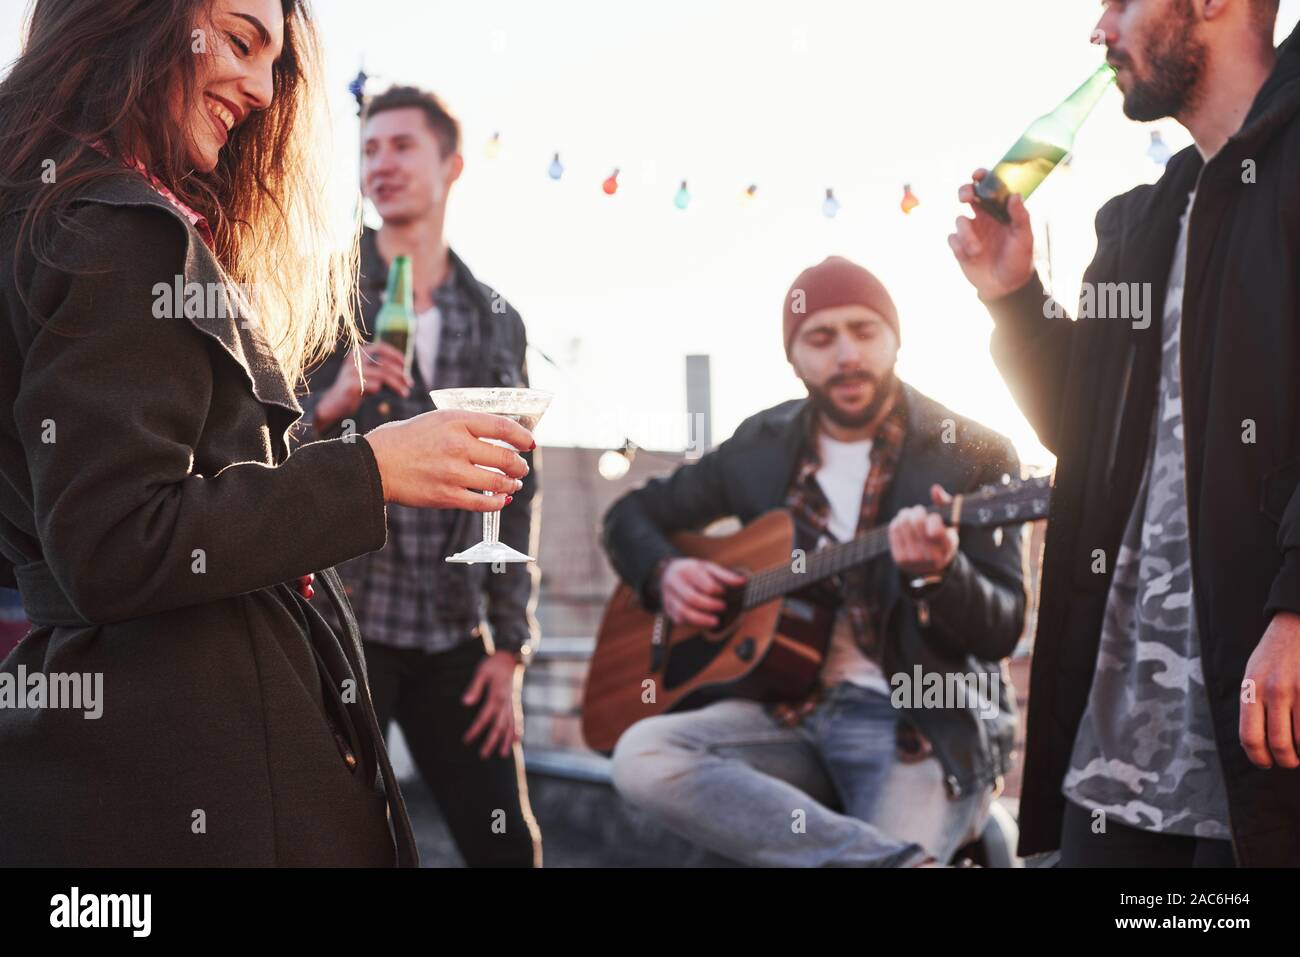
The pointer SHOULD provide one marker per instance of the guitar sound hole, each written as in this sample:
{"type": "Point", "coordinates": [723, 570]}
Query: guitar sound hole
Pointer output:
{"type": "Point", "coordinates": [734, 599]}
{"type": "Point", "coordinates": [688, 657]}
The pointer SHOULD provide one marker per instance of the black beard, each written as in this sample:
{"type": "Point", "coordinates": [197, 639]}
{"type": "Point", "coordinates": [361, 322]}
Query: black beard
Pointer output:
{"type": "Point", "coordinates": [825, 405]}
{"type": "Point", "coordinates": [1175, 62]}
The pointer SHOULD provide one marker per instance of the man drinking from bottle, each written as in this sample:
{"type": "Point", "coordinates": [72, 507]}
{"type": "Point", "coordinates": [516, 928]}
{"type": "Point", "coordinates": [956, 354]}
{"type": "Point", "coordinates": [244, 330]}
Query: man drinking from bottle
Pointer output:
{"type": "Point", "coordinates": [1166, 671]}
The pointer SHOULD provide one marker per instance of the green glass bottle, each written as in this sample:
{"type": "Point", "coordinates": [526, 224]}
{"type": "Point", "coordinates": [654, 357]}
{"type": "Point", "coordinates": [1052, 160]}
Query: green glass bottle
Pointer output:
{"type": "Point", "coordinates": [1048, 140]}
{"type": "Point", "coordinates": [395, 323]}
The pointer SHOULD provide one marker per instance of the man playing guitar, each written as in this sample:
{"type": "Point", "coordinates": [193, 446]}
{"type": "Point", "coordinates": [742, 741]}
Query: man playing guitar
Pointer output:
{"type": "Point", "coordinates": [801, 783]}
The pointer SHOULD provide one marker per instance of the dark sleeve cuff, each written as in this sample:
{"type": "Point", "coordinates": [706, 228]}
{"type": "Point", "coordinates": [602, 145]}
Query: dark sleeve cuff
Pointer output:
{"type": "Point", "coordinates": [522, 645]}
{"type": "Point", "coordinates": [1285, 593]}
{"type": "Point", "coordinates": [1026, 305]}
{"type": "Point", "coordinates": [649, 586]}
{"type": "Point", "coordinates": [348, 494]}
{"type": "Point", "coordinates": [512, 630]}
{"type": "Point", "coordinates": [950, 591]}
{"type": "Point", "coordinates": [634, 545]}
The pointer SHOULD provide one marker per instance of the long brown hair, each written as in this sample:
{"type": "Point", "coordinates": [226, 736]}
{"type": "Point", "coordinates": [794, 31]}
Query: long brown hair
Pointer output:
{"type": "Point", "coordinates": [107, 71]}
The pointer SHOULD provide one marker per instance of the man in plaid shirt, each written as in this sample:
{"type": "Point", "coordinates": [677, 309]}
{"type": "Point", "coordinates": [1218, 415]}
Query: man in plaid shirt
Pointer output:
{"type": "Point", "coordinates": [445, 643]}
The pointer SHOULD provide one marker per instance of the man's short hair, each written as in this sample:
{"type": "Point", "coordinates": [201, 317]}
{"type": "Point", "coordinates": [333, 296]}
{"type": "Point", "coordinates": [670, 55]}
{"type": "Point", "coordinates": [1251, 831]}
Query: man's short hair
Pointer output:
{"type": "Point", "coordinates": [444, 126]}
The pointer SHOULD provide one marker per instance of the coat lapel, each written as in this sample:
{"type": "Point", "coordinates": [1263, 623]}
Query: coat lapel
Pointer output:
{"type": "Point", "coordinates": [232, 325]}
{"type": "Point", "coordinates": [770, 464]}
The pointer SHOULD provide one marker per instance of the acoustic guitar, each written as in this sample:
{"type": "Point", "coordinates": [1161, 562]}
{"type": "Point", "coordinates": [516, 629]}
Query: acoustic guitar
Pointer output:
{"type": "Point", "coordinates": [772, 637]}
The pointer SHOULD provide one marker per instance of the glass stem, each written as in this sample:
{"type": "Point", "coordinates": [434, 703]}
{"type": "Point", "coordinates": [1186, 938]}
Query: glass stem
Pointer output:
{"type": "Point", "coordinates": [491, 525]}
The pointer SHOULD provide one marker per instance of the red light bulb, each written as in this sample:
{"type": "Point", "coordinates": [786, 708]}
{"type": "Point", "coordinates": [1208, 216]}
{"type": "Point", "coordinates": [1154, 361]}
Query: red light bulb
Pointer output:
{"type": "Point", "coordinates": [910, 202]}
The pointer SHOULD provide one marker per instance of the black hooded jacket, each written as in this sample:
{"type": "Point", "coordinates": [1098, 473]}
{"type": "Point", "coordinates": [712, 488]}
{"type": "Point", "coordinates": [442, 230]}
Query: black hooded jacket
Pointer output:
{"type": "Point", "coordinates": [1089, 387]}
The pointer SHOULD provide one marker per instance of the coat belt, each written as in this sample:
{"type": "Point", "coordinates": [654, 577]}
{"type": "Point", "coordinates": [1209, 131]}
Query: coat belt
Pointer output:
{"type": "Point", "coordinates": [44, 602]}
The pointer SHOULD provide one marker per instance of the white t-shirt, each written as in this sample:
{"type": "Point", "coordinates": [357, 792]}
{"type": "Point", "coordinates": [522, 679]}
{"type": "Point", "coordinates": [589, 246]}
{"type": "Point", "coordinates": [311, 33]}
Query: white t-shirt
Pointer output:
{"type": "Point", "coordinates": [843, 477]}
{"type": "Point", "coordinates": [428, 325]}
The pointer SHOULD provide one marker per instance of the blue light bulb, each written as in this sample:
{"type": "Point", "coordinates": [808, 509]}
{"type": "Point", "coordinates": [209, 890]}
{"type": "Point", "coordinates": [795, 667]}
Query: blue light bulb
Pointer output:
{"type": "Point", "coordinates": [830, 205]}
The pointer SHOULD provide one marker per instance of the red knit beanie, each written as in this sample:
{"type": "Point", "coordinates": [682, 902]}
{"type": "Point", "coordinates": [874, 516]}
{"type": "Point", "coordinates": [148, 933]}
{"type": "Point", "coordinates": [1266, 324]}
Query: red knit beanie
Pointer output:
{"type": "Point", "coordinates": [835, 282]}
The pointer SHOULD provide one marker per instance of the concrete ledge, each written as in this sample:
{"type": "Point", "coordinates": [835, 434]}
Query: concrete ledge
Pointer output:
{"type": "Point", "coordinates": [584, 824]}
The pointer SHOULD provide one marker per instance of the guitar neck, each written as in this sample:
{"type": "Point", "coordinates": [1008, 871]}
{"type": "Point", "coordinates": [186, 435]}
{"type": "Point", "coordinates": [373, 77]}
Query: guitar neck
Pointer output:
{"type": "Point", "coordinates": [993, 506]}
{"type": "Point", "coordinates": [816, 566]}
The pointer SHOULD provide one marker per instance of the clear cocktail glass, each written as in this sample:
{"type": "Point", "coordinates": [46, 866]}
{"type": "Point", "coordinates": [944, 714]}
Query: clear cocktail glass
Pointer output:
{"type": "Point", "coordinates": [524, 406]}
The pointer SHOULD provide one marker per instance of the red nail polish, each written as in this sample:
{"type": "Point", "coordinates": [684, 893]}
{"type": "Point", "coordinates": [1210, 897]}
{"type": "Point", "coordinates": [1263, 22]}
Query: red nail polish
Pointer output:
{"type": "Point", "coordinates": [533, 446]}
{"type": "Point", "coordinates": [509, 499]}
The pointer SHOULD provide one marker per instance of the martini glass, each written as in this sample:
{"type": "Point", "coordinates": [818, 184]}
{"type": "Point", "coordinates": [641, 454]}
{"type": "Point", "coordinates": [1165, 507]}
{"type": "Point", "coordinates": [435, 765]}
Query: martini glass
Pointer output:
{"type": "Point", "coordinates": [524, 406]}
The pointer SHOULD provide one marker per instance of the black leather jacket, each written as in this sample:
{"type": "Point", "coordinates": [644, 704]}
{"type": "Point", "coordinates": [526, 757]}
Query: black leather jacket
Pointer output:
{"type": "Point", "coordinates": [973, 619]}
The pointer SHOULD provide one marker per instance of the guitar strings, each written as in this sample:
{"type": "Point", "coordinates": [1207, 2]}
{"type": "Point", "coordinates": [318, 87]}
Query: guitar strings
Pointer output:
{"type": "Point", "coordinates": [824, 562]}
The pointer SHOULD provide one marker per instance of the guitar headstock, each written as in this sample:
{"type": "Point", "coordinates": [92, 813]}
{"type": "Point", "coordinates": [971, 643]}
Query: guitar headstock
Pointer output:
{"type": "Point", "coordinates": [1008, 504]}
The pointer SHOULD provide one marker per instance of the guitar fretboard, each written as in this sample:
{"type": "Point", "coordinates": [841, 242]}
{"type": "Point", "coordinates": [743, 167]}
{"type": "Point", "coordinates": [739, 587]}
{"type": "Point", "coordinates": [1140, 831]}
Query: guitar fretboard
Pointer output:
{"type": "Point", "coordinates": [815, 567]}
{"type": "Point", "coordinates": [990, 507]}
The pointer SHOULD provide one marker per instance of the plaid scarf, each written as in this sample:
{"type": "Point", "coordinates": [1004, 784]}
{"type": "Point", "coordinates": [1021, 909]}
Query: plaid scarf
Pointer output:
{"type": "Point", "coordinates": [811, 510]}
{"type": "Point", "coordinates": [197, 219]}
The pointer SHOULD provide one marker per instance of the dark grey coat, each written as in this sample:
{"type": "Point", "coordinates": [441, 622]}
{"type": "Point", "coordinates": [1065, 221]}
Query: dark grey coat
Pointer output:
{"type": "Point", "coordinates": [154, 521]}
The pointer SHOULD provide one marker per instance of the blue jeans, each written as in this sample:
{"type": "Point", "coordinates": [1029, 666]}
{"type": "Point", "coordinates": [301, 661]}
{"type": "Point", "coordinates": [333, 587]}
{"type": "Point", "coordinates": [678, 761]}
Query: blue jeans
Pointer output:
{"type": "Point", "coordinates": [732, 779]}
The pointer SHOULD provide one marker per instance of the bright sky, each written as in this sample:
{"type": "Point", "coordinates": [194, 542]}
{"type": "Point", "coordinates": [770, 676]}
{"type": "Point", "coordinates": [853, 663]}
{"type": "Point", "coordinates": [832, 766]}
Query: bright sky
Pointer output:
{"type": "Point", "coordinates": [860, 97]}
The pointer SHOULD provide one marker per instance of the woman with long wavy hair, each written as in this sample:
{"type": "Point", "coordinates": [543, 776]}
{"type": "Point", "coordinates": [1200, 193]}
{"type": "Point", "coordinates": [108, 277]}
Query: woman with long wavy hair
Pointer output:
{"type": "Point", "coordinates": [164, 281]}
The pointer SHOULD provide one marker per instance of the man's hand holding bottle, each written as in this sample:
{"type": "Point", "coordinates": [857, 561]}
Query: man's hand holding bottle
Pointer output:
{"type": "Point", "coordinates": [434, 459]}
{"type": "Point", "coordinates": [997, 258]}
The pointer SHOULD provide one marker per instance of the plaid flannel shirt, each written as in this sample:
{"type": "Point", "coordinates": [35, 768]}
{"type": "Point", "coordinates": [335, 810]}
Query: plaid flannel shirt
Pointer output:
{"type": "Point", "coordinates": [406, 595]}
{"type": "Point", "coordinates": [811, 510]}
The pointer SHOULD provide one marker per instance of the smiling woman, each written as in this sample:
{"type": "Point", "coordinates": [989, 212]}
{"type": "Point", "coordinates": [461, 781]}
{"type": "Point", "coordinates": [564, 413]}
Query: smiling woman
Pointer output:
{"type": "Point", "coordinates": [151, 513]}
{"type": "Point", "coordinates": [219, 100]}
{"type": "Point", "coordinates": [156, 525]}
{"type": "Point", "coordinates": [152, 516]}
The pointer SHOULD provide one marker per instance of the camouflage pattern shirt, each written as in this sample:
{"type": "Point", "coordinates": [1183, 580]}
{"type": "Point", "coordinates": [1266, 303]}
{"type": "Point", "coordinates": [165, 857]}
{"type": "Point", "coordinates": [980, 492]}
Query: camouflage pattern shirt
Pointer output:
{"type": "Point", "coordinates": [1145, 751]}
